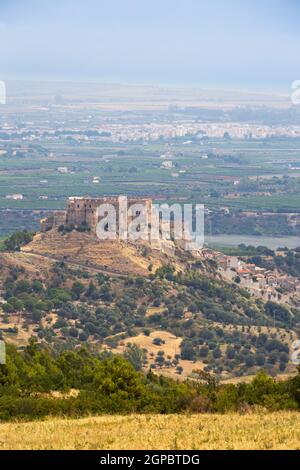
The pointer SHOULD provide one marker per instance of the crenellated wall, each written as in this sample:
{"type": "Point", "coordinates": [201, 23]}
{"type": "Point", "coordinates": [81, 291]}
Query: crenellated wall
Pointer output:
{"type": "Point", "coordinates": [83, 211]}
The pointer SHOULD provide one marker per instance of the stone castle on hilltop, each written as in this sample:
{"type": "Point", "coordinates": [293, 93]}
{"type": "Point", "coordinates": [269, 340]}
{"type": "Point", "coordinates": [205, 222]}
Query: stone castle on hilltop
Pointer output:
{"type": "Point", "coordinates": [82, 211]}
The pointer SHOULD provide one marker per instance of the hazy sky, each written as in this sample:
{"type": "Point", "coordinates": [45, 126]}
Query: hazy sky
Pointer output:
{"type": "Point", "coordinates": [193, 42]}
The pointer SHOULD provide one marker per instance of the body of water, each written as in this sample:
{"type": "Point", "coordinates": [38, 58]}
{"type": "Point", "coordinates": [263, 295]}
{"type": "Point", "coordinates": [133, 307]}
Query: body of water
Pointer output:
{"type": "Point", "coordinates": [271, 242]}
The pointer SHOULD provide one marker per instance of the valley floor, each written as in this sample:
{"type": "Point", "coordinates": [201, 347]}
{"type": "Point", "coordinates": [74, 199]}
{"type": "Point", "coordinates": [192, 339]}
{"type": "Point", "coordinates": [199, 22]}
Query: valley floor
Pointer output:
{"type": "Point", "coordinates": [264, 431]}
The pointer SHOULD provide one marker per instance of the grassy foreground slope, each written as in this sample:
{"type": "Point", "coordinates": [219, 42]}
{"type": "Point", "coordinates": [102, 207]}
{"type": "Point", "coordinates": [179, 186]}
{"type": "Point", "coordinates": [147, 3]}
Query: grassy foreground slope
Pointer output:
{"type": "Point", "coordinates": [158, 432]}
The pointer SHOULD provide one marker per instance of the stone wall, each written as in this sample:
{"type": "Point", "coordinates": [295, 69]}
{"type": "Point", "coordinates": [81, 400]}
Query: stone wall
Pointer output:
{"type": "Point", "coordinates": [83, 211]}
{"type": "Point", "coordinates": [54, 220]}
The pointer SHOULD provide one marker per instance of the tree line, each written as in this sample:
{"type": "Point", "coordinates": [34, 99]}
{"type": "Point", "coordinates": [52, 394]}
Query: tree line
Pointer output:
{"type": "Point", "coordinates": [108, 384]}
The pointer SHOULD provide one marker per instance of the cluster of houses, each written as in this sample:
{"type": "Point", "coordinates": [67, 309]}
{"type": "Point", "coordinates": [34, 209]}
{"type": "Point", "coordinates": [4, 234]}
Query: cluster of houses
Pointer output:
{"type": "Point", "coordinates": [270, 283]}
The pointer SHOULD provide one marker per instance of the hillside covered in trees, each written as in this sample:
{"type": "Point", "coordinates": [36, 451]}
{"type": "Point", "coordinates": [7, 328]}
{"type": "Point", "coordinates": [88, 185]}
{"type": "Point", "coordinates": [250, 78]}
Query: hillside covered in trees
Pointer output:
{"type": "Point", "coordinates": [188, 317]}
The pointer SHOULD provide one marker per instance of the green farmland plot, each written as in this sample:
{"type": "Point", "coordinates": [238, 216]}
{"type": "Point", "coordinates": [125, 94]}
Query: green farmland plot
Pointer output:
{"type": "Point", "coordinates": [203, 171]}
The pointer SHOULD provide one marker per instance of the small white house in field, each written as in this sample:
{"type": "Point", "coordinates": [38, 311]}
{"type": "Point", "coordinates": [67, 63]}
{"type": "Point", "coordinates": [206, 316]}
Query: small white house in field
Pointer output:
{"type": "Point", "coordinates": [168, 165]}
{"type": "Point", "coordinates": [15, 197]}
{"type": "Point", "coordinates": [62, 169]}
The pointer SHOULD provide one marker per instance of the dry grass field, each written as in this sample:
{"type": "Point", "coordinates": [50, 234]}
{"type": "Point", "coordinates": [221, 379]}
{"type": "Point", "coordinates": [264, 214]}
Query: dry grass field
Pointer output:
{"type": "Point", "coordinates": [172, 432]}
{"type": "Point", "coordinates": [84, 250]}
{"type": "Point", "coordinates": [171, 347]}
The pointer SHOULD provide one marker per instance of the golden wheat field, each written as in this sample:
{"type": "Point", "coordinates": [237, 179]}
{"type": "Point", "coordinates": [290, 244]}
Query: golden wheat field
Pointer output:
{"type": "Point", "coordinates": [170, 432]}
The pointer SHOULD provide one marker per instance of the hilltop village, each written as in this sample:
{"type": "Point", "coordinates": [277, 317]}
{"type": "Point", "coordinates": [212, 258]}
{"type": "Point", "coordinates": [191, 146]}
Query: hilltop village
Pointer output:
{"type": "Point", "coordinates": [269, 284]}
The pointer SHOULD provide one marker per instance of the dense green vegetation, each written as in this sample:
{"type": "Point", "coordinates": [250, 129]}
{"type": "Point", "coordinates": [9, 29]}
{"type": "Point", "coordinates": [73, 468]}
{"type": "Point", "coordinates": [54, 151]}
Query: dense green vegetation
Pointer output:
{"type": "Point", "coordinates": [243, 250]}
{"type": "Point", "coordinates": [108, 384]}
{"type": "Point", "coordinates": [16, 240]}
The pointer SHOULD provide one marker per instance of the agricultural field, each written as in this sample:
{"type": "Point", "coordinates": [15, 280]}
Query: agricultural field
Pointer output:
{"type": "Point", "coordinates": [238, 177]}
{"type": "Point", "coordinates": [255, 431]}
{"type": "Point", "coordinates": [202, 171]}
